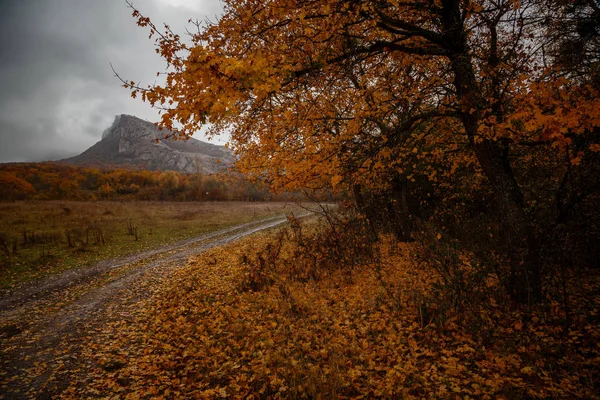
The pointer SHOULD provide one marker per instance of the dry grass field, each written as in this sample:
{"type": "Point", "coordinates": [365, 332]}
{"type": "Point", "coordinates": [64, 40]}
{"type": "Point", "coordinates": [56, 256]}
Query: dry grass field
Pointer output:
{"type": "Point", "coordinates": [43, 237]}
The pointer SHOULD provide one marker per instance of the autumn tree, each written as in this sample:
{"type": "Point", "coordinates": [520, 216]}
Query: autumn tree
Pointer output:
{"type": "Point", "coordinates": [362, 93]}
{"type": "Point", "coordinates": [13, 187]}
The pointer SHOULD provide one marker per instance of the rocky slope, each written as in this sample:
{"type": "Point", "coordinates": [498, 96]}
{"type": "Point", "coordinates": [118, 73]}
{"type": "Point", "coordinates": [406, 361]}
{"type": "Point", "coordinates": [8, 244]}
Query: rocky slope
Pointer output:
{"type": "Point", "coordinates": [131, 140]}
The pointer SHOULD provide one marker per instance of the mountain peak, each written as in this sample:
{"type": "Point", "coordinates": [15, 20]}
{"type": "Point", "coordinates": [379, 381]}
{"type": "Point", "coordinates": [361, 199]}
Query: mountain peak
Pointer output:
{"type": "Point", "coordinates": [131, 140]}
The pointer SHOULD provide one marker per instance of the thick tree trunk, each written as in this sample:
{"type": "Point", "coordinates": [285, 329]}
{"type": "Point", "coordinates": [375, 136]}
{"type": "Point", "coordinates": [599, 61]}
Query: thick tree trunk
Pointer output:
{"type": "Point", "coordinates": [525, 278]}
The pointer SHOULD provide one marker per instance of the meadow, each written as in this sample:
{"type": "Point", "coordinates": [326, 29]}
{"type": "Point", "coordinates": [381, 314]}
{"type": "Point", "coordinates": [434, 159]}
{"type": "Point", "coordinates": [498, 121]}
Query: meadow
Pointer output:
{"type": "Point", "coordinates": [38, 238]}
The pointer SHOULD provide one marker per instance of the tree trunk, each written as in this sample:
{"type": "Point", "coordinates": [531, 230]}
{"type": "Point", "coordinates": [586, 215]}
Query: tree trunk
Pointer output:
{"type": "Point", "coordinates": [524, 282]}
{"type": "Point", "coordinates": [525, 278]}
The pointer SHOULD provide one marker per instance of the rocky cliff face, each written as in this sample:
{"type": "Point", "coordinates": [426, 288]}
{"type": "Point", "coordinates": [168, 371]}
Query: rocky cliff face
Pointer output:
{"type": "Point", "coordinates": [131, 140]}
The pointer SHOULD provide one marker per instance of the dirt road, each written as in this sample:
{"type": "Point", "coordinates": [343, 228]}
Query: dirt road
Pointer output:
{"type": "Point", "coordinates": [43, 325]}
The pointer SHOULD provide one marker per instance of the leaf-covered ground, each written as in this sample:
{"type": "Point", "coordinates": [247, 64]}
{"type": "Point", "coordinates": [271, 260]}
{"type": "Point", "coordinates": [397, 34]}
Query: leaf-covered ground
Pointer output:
{"type": "Point", "coordinates": [46, 328]}
{"type": "Point", "coordinates": [241, 321]}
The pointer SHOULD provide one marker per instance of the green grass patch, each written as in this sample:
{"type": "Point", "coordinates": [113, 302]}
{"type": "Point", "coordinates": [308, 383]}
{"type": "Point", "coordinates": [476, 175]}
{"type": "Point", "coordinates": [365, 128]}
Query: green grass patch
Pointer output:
{"type": "Point", "coordinates": [39, 238]}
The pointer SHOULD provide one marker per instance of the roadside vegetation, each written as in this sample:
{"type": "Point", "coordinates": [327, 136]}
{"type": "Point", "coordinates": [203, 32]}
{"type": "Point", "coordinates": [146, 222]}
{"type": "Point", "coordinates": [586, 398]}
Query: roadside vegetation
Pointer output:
{"type": "Point", "coordinates": [319, 311]}
{"type": "Point", "coordinates": [38, 238]}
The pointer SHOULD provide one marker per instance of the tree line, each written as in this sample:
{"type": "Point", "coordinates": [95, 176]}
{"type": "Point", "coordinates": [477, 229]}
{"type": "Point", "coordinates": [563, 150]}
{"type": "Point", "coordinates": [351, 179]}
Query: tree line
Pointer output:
{"type": "Point", "coordinates": [54, 181]}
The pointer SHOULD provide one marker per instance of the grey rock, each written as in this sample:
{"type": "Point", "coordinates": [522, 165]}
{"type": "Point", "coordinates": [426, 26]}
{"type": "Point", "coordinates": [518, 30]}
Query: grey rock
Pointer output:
{"type": "Point", "coordinates": [131, 140]}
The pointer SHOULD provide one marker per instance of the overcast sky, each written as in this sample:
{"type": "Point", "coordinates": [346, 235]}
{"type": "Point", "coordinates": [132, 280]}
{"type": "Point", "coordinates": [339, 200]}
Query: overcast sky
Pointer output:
{"type": "Point", "coordinates": [57, 90]}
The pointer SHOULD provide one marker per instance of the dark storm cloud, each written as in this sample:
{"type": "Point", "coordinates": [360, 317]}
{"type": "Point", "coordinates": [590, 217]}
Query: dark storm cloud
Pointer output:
{"type": "Point", "coordinates": [58, 90]}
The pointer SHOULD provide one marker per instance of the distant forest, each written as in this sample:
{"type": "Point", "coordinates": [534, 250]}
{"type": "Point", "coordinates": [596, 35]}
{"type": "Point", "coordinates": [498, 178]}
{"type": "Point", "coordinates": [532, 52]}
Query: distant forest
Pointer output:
{"type": "Point", "coordinates": [53, 181]}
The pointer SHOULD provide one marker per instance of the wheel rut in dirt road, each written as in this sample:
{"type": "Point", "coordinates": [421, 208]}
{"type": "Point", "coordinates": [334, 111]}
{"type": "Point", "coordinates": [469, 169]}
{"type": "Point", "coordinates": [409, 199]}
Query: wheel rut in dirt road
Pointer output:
{"type": "Point", "coordinates": [44, 324]}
